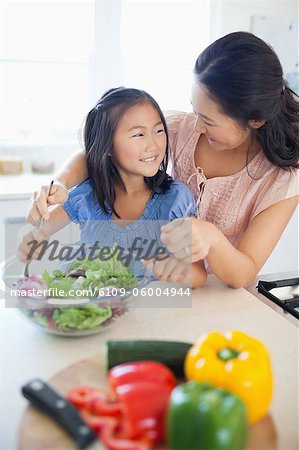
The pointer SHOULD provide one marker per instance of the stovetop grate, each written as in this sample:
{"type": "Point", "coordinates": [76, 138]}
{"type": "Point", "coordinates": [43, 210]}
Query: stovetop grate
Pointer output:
{"type": "Point", "coordinates": [284, 293]}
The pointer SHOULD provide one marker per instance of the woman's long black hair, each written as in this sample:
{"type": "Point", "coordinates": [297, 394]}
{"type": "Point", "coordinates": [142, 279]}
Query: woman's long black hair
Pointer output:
{"type": "Point", "coordinates": [99, 130]}
{"type": "Point", "coordinates": [244, 76]}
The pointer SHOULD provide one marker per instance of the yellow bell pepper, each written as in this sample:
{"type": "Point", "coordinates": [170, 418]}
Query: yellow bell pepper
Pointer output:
{"type": "Point", "coordinates": [236, 362]}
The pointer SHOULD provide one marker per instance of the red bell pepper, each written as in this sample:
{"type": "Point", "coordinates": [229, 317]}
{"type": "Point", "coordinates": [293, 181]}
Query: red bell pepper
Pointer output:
{"type": "Point", "coordinates": [145, 406]}
{"type": "Point", "coordinates": [104, 406]}
{"type": "Point", "coordinates": [99, 424]}
{"type": "Point", "coordinates": [94, 400]}
{"type": "Point", "coordinates": [132, 416]}
{"type": "Point", "coordinates": [107, 429]}
{"type": "Point", "coordinates": [128, 373]}
{"type": "Point", "coordinates": [144, 390]}
{"type": "Point", "coordinates": [80, 396]}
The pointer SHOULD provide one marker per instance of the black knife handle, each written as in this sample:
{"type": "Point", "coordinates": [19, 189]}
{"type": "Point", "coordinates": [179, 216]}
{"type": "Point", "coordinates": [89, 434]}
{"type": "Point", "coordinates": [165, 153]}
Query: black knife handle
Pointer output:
{"type": "Point", "coordinates": [43, 396]}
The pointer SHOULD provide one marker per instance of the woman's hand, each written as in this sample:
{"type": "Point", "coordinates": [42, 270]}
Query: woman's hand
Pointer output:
{"type": "Point", "coordinates": [26, 247]}
{"type": "Point", "coordinates": [39, 202]}
{"type": "Point", "coordinates": [189, 239]}
{"type": "Point", "coordinates": [170, 269]}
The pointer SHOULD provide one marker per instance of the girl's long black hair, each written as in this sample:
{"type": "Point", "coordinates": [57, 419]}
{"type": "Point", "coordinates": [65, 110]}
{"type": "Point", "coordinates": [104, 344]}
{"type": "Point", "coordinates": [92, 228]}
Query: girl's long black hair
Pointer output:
{"type": "Point", "coordinates": [244, 76]}
{"type": "Point", "coordinates": [99, 130]}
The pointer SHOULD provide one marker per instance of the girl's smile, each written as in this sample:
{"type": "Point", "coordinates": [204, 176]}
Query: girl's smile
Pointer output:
{"type": "Point", "coordinates": [149, 159]}
{"type": "Point", "coordinates": [139, 143]}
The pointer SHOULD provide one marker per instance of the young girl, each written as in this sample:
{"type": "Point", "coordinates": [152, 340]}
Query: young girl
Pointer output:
{"type": "Point", "coordinates": [238, 151]}
{"type": "Point", "coordinates": [126, 145]}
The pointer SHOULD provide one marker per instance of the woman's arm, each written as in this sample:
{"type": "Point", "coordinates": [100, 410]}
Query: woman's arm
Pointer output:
{"type": "Point", "coordinates": [73, 172]}
{"type": "Point", "coordinates": [58, 219]}
{"type": "Point", "coordinates": [258, 242]}
{"type": "Point", "coordinates": [237, 267]}
{"type": "Point", "coordinates": [199, 274]}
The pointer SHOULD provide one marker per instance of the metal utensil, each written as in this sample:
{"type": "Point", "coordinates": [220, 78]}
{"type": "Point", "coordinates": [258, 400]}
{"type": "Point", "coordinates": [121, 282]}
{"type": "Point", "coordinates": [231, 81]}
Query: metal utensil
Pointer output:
{"type": "Point", "coordinates": [181, 220]}
{"type": "Point", "coordinates": [49, 401]}
{"type": "Point", "coordinates": [26, 270]}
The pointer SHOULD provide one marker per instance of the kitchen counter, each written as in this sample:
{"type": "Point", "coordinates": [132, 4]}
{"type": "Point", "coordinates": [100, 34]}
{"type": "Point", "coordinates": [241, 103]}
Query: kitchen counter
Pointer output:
{"type": "Point", "coordinates": [21, 186]}
{"type": "Point", "coordinates": [27, 352]}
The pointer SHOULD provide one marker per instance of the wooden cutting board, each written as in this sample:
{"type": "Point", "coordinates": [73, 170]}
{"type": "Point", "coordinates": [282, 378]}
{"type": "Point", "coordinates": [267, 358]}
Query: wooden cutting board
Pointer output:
{"type": "Point", "coordinates": [37, 431]}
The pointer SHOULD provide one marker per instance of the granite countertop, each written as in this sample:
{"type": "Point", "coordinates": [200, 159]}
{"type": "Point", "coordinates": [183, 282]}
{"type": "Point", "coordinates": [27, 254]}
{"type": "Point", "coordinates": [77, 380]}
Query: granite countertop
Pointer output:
{"type": "Point", "coordinates": [29, 353]}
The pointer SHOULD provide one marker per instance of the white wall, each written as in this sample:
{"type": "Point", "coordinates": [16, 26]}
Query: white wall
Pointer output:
{"type": "Point", "coordinates": [285, 255]}
{"type": "Point", "coordinates": [236, 15]}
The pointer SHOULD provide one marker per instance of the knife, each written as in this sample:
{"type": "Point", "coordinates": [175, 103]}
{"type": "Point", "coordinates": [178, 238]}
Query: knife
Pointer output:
{"type": "Point", "coordinates": [47, 399]}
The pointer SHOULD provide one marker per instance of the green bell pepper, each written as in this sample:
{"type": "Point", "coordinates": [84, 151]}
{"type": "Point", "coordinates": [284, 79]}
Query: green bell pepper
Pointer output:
{"type": "Point", "coordinates": [201, 417]}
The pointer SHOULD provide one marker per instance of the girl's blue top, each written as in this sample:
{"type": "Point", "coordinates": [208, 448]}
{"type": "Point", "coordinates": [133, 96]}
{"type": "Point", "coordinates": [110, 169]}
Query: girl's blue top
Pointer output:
{"type": "Point", "coordinates": [97, 226]}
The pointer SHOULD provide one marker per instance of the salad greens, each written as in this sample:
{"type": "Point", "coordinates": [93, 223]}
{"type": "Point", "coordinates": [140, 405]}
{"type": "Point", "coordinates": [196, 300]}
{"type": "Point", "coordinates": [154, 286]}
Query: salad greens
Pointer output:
{"type": "Point", "coordinates": [96, 275]}
{"type": "Point", "coordinates": [86, 276]}
{"type": "Point", "coordinates": [85, 318]}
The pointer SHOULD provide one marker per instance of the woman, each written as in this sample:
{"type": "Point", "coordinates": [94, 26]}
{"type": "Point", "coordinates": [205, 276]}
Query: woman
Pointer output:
{"type": "Point", "coordinates": [238, 152]}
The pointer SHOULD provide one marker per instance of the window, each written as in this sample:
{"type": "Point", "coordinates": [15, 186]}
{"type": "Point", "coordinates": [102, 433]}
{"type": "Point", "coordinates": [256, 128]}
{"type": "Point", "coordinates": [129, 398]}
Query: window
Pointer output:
{"type": "Point", "coordinates": [57, 58]}
{"type": "Point", "coordinates": [45, 69]}
{"type": "Point", "coordinates": [160, 42]}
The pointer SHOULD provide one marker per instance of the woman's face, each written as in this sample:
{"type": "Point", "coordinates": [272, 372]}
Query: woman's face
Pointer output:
{"type": "Point", "coordinates": [221, 131]}
{"type": "Point", "coordinates": [139, 143]}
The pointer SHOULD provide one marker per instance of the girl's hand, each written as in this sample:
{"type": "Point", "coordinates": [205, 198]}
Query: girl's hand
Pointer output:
{"type": "Point", "coordinates": [38, 206]}
{"type": "Point", "coordinates": [25, 248]}
{"type": "Point", "coordinates": [189, 239]}
{"type": "Point", "coordinates": [170, 269]}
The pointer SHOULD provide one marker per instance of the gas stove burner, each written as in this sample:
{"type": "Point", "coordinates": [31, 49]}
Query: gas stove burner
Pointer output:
{"type": "Point", "coordinates": [284, 293]}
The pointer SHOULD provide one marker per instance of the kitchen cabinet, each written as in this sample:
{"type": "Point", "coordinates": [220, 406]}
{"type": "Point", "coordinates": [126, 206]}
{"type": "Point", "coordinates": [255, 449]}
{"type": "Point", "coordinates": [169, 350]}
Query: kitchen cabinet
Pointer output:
{"type": "Point", "coordinates": [15, 193]}
{"type": "Point", "coordinates": [12, 220]}
{"type": "Point", "coordinates": [13, 226]}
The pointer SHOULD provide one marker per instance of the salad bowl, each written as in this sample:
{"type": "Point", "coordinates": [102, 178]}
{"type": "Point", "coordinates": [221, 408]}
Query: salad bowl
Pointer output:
{"type": "Point", "coordinates": [74, 298]}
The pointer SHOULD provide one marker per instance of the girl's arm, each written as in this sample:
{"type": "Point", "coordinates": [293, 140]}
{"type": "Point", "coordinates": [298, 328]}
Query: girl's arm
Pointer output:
{"type": "Point", "coordinates": [58, 219]}
{"type": "Point", "coordinates": [190, 275]}
{"type": "Point", "coordinates": [73, 172]}
{"type": "Point", "coordinates": [237, 267]}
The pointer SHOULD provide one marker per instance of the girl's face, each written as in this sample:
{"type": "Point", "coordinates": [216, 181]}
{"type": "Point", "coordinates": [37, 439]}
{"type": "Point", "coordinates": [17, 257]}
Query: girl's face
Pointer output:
{"type": "Point", "coordinates": [221, 131]}
{"type": "Point", "coordinates": [139, 143]}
